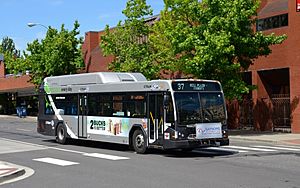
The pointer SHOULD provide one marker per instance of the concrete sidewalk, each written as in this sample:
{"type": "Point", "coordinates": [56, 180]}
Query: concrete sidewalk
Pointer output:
{"type": "Point", "coordinates": [270, 137]}
{"type": "Point", "coordinates": [9, 171]}
{"type": "Point", "coordinates": [15, 117]}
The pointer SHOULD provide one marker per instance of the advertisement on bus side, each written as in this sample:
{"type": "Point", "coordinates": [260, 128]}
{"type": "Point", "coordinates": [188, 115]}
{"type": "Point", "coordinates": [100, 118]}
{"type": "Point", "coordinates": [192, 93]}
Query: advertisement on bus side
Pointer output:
{"type": "Point", "coordinates": [112, 125]}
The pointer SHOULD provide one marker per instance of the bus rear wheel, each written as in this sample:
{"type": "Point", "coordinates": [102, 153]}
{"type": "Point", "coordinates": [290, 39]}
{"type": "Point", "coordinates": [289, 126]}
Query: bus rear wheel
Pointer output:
{"type": "Point", "coordinates": [139, 141]}
{"type": "Point", "coordinates": [61, 134]}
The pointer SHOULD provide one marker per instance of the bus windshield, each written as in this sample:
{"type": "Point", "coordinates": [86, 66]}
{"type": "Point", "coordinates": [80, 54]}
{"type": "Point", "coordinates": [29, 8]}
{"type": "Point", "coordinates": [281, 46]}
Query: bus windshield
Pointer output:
{"type": "Point", "coordinates": [195, 107]}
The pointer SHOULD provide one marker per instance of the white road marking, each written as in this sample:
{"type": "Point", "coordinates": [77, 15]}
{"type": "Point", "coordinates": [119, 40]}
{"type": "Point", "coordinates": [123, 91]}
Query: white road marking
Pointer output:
{"type": "Point", "coordinates": [298, 147]}
{"type": "Point", "coordinates": [248, 148]}
{"type": "Point", "coordinates": [226, 149]}
{"type": "Point", "coordinates": [96, 155]}
{"type": "Point", "coordinates": [67, 150]}
{"type": "Point", "coordinates": [279, 148]}
{"type": "Point", "coordinates": [27, 143]}
{"type": "Point", "coordinates": [55, 161]}
{"type": "Point", "coordinates": [10, 146]}
{"type": "Point", "coordinates": [105, 156]}
{"type": "Point", "coordinates": [26, 130]}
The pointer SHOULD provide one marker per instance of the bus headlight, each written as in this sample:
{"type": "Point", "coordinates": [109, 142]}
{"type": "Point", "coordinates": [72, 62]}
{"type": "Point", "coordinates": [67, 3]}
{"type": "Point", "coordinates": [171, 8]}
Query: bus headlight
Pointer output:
{"type": "Point", "coordinates": [174, 135]}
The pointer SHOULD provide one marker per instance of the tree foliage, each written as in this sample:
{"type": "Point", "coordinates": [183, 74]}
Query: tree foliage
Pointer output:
{"type": "Point", "coordinates": [10, 52]}
{"type": "Point", "coordinates": [58, 53]}
{"type": "Point", "coordinates": [128, 42]}
{"type": "Point", "coordinates": [8, 46]}
{"type": "Point", "coordinates": [212, 39]}
{"type": "Point", "coordinates": [208, 39]}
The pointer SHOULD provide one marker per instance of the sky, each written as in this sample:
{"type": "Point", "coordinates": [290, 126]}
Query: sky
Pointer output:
{"type": "Point", "coordinates": [92, 15]}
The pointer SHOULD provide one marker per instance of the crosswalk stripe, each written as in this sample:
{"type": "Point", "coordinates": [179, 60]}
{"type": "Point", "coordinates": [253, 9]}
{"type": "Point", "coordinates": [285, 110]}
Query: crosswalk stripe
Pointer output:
{"type": "Point", "coordinates": [289, 146]}
{"type": "Point", "coordinates": [105, 156]}
{"type": "Point", "coordinates": [279, 148]}
{"type": "Point", "coordinates": [248, 148]}
{"type": "Point", "coordinates": [226, 149]}
{"type": "Point", "coordinates": [55, 161]}
{"type": "Point", "coordinates": [67, 150]}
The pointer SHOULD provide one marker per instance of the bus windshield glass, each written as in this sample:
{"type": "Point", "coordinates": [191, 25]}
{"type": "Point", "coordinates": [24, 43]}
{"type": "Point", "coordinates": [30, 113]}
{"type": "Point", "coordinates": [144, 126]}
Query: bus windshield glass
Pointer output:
{"type": "Point", "coordinates": [195, 107]}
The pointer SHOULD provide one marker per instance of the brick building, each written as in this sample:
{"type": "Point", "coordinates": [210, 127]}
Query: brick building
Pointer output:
{"type": "Point", "coordinates": [15, 90]}
{"type": "Point", "coordinates": [277, 76]}
{"type": "Point", "coordinates": [92, 54]}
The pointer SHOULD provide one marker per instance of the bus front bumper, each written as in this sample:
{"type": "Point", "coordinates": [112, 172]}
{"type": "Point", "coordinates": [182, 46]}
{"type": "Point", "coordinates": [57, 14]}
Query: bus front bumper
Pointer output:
{"type": "Point", "coordinates": [183, 144]}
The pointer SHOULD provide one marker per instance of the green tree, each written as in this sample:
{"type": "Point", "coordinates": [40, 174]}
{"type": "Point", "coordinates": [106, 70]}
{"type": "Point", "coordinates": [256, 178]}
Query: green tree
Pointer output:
{"type": "Point", "coordinates": [128, 42]}
{"type": "Point", "coordinates": [58, 53]}
{"type": "Point", "coordinates": [8, 46]}
{"type": "Point", "coordinates": [212, 39]}
{"type": "Point", "coordinates": [11, 54]}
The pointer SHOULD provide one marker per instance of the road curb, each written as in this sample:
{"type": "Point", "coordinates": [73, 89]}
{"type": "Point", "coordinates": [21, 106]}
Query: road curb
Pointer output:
{"type": "Point", "coordinates": [15, 174]}
{"type": "Point", "coordinates": [275, 141]}
{"type": "Point", "coordinates": [27, 118]}
{"type": "Point", "coordinates": [255, 140]}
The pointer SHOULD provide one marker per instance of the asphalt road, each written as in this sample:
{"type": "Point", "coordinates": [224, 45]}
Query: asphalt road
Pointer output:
{"type": "Point", "coordinates": [96, 164]}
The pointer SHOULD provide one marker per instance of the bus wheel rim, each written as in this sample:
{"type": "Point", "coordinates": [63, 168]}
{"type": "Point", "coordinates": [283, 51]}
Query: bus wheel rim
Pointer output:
{"type": "Point", "coordinates": [61, 134]}
{"type": "Point", "coordinates": [139, 141]}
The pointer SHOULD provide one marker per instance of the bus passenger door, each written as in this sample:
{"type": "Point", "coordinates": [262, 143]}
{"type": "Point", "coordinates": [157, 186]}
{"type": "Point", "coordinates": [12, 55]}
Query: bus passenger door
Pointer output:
{"type": "Point", "coordinates": [82, 117]}
{"type": "Point", "coordinates": [155, 117]}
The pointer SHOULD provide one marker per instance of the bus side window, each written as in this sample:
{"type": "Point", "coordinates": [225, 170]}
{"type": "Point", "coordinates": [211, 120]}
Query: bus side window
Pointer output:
{"type": "Point", "coordinates": [66, 102]}
{"type": "Point", "coordinates": [135, 105]}
{"type": "Point", "coordinates": [105, 109]}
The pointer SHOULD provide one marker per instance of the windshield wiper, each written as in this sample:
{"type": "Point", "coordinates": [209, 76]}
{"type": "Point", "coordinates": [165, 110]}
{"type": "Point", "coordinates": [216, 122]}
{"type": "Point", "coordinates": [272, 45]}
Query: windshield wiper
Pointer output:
{"type": "Point", "coordinates": [208, 115]}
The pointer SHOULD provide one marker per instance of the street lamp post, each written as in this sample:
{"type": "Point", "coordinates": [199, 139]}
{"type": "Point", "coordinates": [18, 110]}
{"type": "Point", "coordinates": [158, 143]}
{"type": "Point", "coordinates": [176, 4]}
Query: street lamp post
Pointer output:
{"type": "Point", "coordinates": [35, 24]}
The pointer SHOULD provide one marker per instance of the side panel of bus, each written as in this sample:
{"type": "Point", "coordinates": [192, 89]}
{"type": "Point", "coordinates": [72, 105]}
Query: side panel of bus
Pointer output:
{"type": "Point", "coordinates": [96, 116]}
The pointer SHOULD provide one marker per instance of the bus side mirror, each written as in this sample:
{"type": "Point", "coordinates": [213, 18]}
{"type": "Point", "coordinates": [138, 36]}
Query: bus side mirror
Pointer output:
{"type": "Point", "coordinates": [166, 100]}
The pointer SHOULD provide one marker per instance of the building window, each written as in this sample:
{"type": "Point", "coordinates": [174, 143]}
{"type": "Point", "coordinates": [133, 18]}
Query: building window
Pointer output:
{"type": "Point", "coordinates": [272, 22]}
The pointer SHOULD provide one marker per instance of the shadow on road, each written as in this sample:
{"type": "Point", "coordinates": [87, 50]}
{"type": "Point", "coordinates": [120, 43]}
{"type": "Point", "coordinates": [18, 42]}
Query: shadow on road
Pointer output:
{"type": "Point", "coordinates": [94, 144]}
{"type": "Point", "coordinates": [178, 153]}
{"type": "Point", "coordinates": [196, 153]}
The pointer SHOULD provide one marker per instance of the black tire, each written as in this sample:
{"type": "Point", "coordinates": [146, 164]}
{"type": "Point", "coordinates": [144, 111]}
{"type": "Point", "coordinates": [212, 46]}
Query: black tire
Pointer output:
{"type": "Point", "coordinates": [61, 134]}
{"type": "Point", "coordinates": [139, 141]}
{"type": "Point", "coordinates": [187, 149]}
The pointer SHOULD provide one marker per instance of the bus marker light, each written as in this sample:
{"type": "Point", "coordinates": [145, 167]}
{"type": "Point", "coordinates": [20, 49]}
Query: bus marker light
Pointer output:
{"type": "Point", "coordinates": [167, 136]}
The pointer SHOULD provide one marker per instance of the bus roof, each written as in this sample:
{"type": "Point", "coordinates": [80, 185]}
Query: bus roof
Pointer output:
{"type": "Point", "coordinates": [122, 82]}
{"type": "Point", "coordinates": [94, 78]}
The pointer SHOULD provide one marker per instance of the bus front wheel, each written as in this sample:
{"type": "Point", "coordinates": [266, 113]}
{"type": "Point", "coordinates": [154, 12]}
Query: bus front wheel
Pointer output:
{"type": "Point", "coordinates": [61, 134]}
{"type": "Point", "coordinates": [139, 141]}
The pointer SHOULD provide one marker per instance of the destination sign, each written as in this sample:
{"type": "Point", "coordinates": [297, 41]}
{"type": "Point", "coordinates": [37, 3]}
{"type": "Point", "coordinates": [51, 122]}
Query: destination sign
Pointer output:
{"type": "Point", "coordinates": [196, 86]}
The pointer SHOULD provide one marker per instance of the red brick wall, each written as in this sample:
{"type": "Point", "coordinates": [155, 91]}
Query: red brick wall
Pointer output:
{"type": "Point", "coordinates": [294, 60]}
{"type": "Point", "coordinates": [92, 53]}
{"type": "Point", "coordinates": [285, 55]}
{"type": "Point", "coordinates": [2, 69]}
{"type": "Point", "coordinates": [11, 84]}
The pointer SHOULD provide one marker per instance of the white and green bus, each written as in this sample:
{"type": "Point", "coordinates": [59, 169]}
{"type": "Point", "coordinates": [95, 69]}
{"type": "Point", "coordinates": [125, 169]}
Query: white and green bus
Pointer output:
{"type": "Point", "coordinates": [125, 108]}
